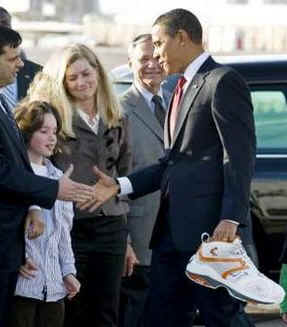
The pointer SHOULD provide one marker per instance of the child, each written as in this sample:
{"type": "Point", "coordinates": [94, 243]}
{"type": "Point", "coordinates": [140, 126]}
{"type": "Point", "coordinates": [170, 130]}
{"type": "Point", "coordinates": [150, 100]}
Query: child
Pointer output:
{"type": "Point", "coordinates": [49, 272]}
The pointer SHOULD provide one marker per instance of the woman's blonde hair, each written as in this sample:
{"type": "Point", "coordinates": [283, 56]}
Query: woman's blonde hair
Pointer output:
{"type": "Point", "coordinates": [49, 86]}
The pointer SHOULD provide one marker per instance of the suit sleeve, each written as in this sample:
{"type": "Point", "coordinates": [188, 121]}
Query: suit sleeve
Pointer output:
{"type": "Point", "coordinates": [20, 185]}
{"type": "Point", "coordinates": [233, 116]}
{"type": "Point", "coordinates": [124, 163]}
{"type": "Point", "coordinates": [146, 180]}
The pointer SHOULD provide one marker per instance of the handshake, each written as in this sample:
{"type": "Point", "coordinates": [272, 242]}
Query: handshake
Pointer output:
{"type": "Point", "coordinates": [87, 197]}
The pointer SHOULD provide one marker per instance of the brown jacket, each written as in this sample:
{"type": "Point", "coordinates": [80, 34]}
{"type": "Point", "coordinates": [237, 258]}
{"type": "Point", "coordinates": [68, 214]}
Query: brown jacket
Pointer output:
{"type": "Point", "coordinates": [109, 150]}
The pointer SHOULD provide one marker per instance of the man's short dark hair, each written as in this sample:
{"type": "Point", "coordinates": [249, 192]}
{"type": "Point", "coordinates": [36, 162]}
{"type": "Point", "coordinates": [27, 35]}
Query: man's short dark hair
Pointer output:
{"type": "Point", "coordinates": [5, 18]}
{"type": "Point", "coordinates": [181, 19]}
{"type": "Point", "coordinates": [9, 37]}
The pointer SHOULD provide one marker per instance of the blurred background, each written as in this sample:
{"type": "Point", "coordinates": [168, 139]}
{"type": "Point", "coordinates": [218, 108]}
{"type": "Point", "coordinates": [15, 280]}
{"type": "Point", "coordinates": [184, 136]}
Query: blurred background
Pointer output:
{"type": "Point", "coordinates": [230, 26]}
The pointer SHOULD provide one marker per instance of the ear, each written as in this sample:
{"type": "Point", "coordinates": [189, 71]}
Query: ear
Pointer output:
{"type": "Point", "coordinates": [182, 36]}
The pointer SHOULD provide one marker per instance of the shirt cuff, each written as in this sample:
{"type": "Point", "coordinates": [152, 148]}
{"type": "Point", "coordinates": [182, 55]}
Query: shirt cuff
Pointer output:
{"type": "Point", "coordinates": [35, 208]}
{"type": "Point", "coordinates": [68, 269]}
{"type": "Point", "coordinates": [232, 221]}
{"type": "Point", "coordinates": [125, 186]}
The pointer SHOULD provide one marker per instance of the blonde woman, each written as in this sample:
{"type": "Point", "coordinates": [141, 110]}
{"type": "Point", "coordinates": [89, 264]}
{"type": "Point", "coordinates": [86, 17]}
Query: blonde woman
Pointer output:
{"type": "Point", "coordinates": [94, 133]}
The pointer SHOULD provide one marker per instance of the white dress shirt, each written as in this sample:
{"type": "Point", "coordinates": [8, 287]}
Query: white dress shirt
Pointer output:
{"type": "Point", "coordinates": [92, 123]}
{"type": "Point", "coordinates": [11, 93]}
{"type": "Point", "coordinates": [147, 95]}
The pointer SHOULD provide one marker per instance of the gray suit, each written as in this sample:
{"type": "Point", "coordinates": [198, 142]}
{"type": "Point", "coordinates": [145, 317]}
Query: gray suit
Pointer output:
{"type": "Point", "coordinates": [147, 148]}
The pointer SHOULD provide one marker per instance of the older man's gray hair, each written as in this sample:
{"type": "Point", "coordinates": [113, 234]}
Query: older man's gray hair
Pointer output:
{"type": "Point", "coordinates": [137, 40]}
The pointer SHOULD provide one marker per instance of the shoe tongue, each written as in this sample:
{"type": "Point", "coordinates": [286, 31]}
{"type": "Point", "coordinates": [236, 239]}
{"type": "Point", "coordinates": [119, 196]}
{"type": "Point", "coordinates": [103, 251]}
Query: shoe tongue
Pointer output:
{"type": "Point", "coordinates": [237, 240]}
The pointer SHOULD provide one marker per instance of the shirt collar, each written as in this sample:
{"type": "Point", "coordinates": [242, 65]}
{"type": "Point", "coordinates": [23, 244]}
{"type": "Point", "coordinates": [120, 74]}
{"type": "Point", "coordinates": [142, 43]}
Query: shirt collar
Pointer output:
{"type": "Point", "coordinates": [11, 86]}
{"type": "Point", "coordinates": [147, 94]}
{"type": "Point", "coordinates": [194, 66]}
{"type": "Point", "coordinates": [92, 123]}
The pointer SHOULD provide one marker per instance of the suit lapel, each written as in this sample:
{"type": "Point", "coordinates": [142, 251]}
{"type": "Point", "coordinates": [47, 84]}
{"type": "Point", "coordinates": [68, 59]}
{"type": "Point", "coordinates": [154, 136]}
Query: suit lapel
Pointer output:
{"type": "Point", "coordinates": [80, 123]}
{"type": "Point", "coordinates": [18, 143]}
{"type": "Point", "coordinates": [23, 81]}
{"type": "Point", "coordinates": [188, 99]}
{"type": "Point", "coordinates": [143, 112]}
{"type": "Point", "coordinates": [167, 140]}
{"type": "Point", "coordinates": [190, 95]}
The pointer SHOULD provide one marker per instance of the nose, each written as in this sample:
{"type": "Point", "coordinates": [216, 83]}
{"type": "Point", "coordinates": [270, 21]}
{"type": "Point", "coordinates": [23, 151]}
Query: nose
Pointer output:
{"type": "Point", "coordinates": [155, 54]}
{"type": "Point", "coordinates": [80, 81]}
{"type": "Point", "coordinates": [153, 62]}
{"type": "Point", "coordinates": [53, 137]}
{"type": "Point", "coordinates": [20, 63]}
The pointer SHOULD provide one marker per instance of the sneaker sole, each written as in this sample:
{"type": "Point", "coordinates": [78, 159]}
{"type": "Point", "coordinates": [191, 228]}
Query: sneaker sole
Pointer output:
{"type": "Point", "coordinates": [211, 283]}
{"type": "Point", "coordinates": [203, 279]}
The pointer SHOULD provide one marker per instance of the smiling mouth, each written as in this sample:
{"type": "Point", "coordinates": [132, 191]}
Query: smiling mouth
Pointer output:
{"type": "Point", "coordinates": [50, 147]}
{"type": "Point", "coordinates": [154, 74]}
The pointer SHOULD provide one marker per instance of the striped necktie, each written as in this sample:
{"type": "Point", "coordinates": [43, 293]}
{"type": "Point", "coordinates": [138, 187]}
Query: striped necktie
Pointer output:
{"type": "Point", "coordinates": [9, 115]}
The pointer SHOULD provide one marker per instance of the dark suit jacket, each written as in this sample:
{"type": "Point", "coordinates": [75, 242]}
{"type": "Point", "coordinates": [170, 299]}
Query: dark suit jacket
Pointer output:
{"type": "Point", "coordinates": [147, 147]}
{"type": "Point", "coordinates": [207, 169]}
{"type": "Point", "coordinates": [19, 188]}
{"type": "Point", "coordinates": [25, 77]}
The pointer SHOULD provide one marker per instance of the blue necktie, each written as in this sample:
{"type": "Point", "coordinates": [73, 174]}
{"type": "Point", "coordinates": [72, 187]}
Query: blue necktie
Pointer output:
{"type": "Point", "coordinates": [9, 115]}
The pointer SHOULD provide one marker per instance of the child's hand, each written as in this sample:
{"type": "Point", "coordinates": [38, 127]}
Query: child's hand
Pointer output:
{"type": "Point", "coordinates": [72, 285]}
{"type": "Point", "coordinates": [284, 317]}
{"type": "Point", "coordinates": [28, 270]}
{"type": "Point", "coordinates": [34, 224]}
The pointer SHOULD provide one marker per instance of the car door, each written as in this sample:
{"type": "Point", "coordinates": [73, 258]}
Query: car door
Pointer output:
{"type": "Point", "coordinates": [269, 186]}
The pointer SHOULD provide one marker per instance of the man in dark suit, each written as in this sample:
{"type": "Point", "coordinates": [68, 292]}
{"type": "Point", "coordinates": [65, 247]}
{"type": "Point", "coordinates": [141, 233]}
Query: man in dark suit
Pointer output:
{"type": "Point", "coordinates": [204, 176]}
{"type": "Point", "coordinates": [147, 147]}
{"type": "Point", "coordinates": [17, 90]}
{"type": "Point", "coordinates": [19, 187]}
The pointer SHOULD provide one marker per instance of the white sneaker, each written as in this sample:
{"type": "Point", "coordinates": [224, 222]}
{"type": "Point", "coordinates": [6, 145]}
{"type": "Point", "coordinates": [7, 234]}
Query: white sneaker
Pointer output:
{"type": "Point", "coordinates": [222, 264]}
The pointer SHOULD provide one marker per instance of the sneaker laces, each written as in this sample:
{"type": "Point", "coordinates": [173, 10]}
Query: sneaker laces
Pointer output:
{"type": "Point", "coordinates": [239, 250]}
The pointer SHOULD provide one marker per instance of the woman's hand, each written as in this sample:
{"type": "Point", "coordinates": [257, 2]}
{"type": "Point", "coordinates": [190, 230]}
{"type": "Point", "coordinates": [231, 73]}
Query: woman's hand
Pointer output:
{"type": "Point", "coordinates": [130, 260]}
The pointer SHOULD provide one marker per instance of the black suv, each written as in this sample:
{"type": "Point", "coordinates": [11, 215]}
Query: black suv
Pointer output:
{"type": "Point", "coordinates": [267, 80]}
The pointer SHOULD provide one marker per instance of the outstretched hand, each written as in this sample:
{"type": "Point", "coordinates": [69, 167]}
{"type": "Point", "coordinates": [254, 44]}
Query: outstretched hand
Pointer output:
{"type": "Point", "coordinates": [105, 188]}
{"type": "Point", "coordinates": [73, 191]}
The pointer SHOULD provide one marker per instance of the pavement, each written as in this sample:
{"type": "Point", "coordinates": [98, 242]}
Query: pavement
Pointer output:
{"type": "Point", "coordinates": [271, 323]}
{"type": "Point", "coordinates": [263, 315]}
{"type": "Point", "coordinates": [267, 323]}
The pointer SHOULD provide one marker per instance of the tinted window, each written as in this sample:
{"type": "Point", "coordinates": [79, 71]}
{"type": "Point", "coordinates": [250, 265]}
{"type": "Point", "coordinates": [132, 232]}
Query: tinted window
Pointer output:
{"type": "Point", "coordinates": [270, 111]}
{"type": "Point", "coordinates": [121, 87]}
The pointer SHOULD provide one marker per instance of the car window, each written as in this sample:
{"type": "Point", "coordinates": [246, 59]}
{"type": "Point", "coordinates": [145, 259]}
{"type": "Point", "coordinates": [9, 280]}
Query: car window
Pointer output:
{"type": "Point", "coordinates": [121, 87]}
{"type": "Point", "coordinates": [270, 112]}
